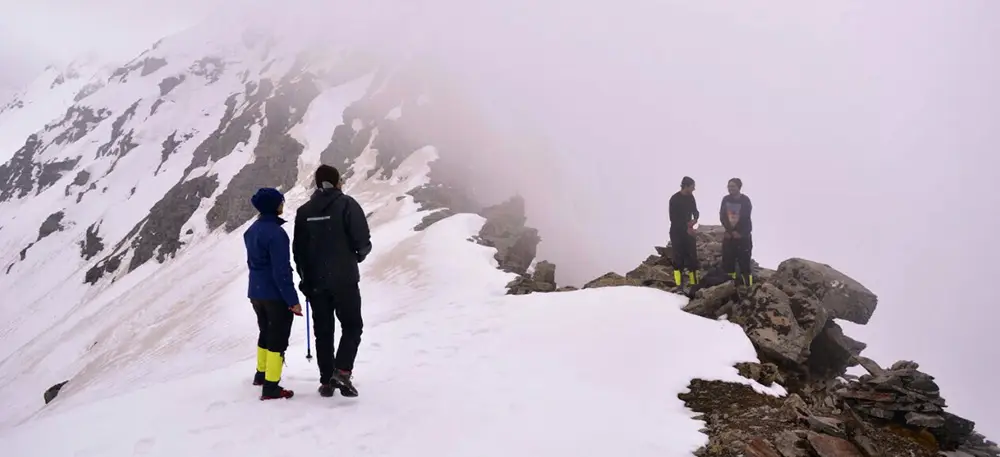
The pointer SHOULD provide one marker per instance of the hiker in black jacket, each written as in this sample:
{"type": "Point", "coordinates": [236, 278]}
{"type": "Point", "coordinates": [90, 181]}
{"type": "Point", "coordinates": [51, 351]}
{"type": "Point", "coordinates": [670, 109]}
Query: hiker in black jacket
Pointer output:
{"type": "Point", "coordinates": [683, 216]}
{"type": "Point", "coordinates": [331, 238]}
{"type": "Point", "coordinates": [737, 242]}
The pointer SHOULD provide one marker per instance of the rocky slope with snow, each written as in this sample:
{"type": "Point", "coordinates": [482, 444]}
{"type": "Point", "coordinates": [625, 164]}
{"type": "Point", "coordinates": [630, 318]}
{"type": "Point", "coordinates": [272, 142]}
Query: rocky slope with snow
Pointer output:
{"type": "Point", "coordinates": [790, 315]}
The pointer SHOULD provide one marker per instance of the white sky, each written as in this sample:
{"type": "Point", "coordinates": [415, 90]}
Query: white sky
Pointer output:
{"type": "Point", "coordinates": [866, 134]}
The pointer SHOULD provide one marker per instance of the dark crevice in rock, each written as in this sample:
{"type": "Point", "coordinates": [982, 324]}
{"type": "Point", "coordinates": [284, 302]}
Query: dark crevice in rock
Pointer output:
{"type": "Point", "coordinates": [169, 83]}
{"type": "Point", "coordinates": [92, 244]}
{"type": "Point", "coordinates": [276, 154]}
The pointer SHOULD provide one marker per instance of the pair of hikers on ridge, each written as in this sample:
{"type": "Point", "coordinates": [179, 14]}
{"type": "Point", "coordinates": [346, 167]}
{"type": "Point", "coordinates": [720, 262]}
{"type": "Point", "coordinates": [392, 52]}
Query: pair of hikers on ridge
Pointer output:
{"type": "Point", "coordinates": [331, 238]}
{"type": "Point", "coordinates": [737, 242]}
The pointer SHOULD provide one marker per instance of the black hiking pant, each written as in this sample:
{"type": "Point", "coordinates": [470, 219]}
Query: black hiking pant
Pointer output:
{"type": "Point", "coordinates": [274, 320]}
{"type": "Point", "coordinates": [685, 251]}
{"type": "Point", "coordinates": [345, 303]}
{"type": "Point", "coordinates": [737, 252]}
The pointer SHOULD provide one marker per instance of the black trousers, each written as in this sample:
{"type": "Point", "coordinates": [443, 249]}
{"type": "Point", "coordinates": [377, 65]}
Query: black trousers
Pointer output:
{"type": "Point", "coordinates": [345, 303]}
{"type": "Point", "coordinates": [685, 251]}
{"type": "Point", "coordinates": [737, 252]}
{"type": "Point", "coordinates": [274, 320]}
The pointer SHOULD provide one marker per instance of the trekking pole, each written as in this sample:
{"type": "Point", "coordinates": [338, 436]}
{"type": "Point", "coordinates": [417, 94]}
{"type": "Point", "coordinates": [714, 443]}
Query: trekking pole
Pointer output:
{"type": "Point", "coordinates": [309, 355]}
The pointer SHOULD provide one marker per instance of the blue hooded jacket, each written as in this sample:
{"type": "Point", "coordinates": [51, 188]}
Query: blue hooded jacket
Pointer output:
{"type": "Point", "coordinates": [268, 252]}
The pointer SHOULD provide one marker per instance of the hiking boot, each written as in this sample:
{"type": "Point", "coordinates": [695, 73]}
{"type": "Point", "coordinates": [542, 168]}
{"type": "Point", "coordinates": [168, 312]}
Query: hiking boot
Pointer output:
{"type": "Point", "coordinates": [272, 391]}
{"type": "Point", "coordinates": [258, 378]}
{"type": "Point", "coordinates": [326, 390]}
{"type": "Point", "coordinates": [342, 380]}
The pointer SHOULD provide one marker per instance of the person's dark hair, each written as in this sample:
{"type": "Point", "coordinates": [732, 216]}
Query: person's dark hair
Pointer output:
{"type": "Point", "coordinates": [687, 181]}
{"type": "Point", "coordinates": [326, 173]}
{"type": "Point", "coordinates": [738, 182]}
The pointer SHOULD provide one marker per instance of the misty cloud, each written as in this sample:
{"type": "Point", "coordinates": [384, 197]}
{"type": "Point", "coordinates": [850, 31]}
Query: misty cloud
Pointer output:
{"type": "Point", "coordinates": [865, 133]}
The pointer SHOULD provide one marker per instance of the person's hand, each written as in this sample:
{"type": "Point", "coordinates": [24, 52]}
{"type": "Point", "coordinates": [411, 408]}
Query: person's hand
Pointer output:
{"type": "Point", "coordinates": [692, 223]}
{"type": "Point", "coordinates": [737, 235]}
{"type": "Point", "coordinates": [692, 231]}
{"type": "Point", "coordinates": [297, 310]}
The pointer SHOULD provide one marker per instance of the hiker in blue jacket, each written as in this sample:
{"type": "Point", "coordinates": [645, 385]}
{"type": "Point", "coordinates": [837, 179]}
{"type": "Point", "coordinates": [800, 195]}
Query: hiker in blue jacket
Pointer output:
{"type": "Point", "coordinates": [271, 290]}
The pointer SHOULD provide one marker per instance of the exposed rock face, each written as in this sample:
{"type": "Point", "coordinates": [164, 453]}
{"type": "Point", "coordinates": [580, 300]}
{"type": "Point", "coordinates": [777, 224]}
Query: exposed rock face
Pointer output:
{"type": "Point", "coordinates": [51, 393]}
{"type": "Point", "coordinates": [543, 279]}
{"type": "Point", "coordinates": [505, 230]}
{"type": "Point", "coordinates": [169, 83]}
{"type": "Point", "coordinates": [276, 155]}
{"type": "Point", "coordinates": [92, 244]}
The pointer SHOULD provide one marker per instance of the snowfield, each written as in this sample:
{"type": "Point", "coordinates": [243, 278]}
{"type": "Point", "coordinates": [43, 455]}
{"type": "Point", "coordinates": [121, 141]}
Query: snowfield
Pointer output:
{"type": "Point", "coordinates": [465, 372]}
{"type": "Point", "coordinates": [449, 366]}
{"type": "Point", "coordinates": [160, 359]}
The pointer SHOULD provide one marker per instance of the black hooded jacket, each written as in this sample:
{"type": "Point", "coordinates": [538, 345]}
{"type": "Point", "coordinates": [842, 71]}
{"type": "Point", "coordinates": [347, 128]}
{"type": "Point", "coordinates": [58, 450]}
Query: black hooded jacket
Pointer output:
{"type": "Point", "coordinates": [331, 238]}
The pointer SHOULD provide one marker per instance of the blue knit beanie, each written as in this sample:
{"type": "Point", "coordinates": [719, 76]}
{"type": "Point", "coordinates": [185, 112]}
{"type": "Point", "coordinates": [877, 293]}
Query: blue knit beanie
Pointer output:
{"type": "Point", "coordinates": [267, 200]}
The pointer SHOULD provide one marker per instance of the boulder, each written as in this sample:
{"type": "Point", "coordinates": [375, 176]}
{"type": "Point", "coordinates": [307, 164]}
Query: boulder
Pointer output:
{"type": "Point", "coordinates": [51, 393]}
{"type": "Point", "coordinates": [840, 295]}
{"type": "Point", "coordinates": [707, 302]}
{"type": "Point", "coordinates": [769, 322]}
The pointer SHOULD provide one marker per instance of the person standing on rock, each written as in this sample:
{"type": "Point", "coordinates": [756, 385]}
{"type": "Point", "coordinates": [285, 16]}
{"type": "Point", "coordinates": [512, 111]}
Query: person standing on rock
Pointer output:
{"type": "Point", "coordinates": [737, 243]}
{"type": "Point", "coordinates": [271, 290]}
{"type": "Point", "coordinates": [331, 239]}
{"type": "Point", "coordinates": [683, 215]}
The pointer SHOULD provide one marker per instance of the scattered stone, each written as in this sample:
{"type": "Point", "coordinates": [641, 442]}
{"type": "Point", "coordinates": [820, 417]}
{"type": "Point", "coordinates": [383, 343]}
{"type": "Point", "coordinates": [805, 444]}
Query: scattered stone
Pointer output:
{"type": "Point", "coordinates": [827, 425]}
{"type": "Point", "coordinates": [831, 446]}
{"type": "Point", "coordinates": [759, 447]}
{"type": "Point", "coordinates": [707, 302]}
{"type": "Point", "coordinates": [51, 393]}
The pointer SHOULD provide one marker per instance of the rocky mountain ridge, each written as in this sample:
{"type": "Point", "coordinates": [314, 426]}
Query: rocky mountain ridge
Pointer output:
{"type": "Point", "coordinates": [789, 316]}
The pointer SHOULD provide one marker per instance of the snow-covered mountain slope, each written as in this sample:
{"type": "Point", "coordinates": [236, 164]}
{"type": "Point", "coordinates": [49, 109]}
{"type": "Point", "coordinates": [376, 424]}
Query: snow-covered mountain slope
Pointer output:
{"type": "Point", "coordinates": [122, 271]}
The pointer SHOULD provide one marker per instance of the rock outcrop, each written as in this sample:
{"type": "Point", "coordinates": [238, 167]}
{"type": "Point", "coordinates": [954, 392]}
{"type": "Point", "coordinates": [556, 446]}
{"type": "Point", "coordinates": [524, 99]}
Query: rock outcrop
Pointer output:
{"type": "Point", "coordinates": [51, 393]}
{"type": "Point", "coordinates": [789, 315]}
{"type": "Point", "coordinates": [542, 279]}
{"type": "Point", "coordinates": [504, 230]}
